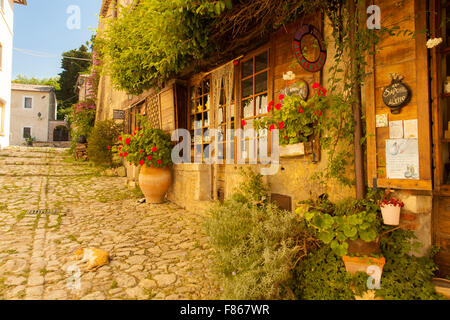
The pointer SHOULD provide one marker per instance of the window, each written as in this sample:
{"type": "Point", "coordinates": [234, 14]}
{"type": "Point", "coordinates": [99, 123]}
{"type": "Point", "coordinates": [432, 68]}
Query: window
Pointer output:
{"type": "Point", "coordinates": [254, 75]}
{"type": "Point", "coordinates": [2, 119]}
{"type": "Point", "coordinates": [26, 132]}
{"type": "Point", "coordinates": [199, 103]}
{"type": "Point", "coordinates": [28, 102]}
{"type": "Point", "coordinates": [225, 120]}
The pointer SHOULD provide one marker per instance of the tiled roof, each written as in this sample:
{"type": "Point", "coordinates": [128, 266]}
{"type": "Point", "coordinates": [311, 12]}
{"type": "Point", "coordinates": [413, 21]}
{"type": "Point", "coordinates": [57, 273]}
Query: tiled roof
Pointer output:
{"type": "Point", "coordinates": [24, 2]}
{"type": "Point", "coordinates": [31, 87]}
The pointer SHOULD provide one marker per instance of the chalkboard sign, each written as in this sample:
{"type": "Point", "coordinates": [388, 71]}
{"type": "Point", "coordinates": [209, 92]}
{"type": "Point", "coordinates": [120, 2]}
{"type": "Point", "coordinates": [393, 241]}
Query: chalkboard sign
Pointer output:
{"type": "Point", "coordinates": [118, 114]}
{"type": "Point", "coordinates": [396, 96]}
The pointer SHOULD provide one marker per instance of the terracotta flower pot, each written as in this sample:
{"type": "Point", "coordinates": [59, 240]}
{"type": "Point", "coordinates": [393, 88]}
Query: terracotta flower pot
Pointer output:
{"type": "Point", "coordinates": [154, 183]}
{"type": "Point", "coordinates": [391, 215]}
{"type": "Point", "coordinates": [355, 264]}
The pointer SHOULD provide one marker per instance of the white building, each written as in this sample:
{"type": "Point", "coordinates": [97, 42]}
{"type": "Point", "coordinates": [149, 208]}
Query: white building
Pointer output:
{"type": "Point", "coordinates": [33, 114]}
{"type": "Point", "coordinates": [6, 52]}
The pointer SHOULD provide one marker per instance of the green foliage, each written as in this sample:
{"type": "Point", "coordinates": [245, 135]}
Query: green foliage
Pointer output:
{"type": "Point", "coordinates": [255, 244]}
{"type": "Point", "coordinates": [252, 189]}
{"type": "Point", "coordinates": [295, 118]}
{"type": "Point", "coordinates": [146, 145]}
{"type": "Point", "coordinates": [405, 276]}
{"type": "Point", "coordinates": [101, 140]}
{"type": "Point", "coordinates": [347, 220]}
{"type": "Point", "coordinates": [82, 120]}
{"type": "Point", "coordinates": [156, 39]}
{"type": "Point", "coordinates": [44, 81]}
{"type": "Point", "coordinates": [29, 140]}
{"type": "Point", "coordinates": [69, 76]}
{"type": "Point", "coordinates": [322, 276]}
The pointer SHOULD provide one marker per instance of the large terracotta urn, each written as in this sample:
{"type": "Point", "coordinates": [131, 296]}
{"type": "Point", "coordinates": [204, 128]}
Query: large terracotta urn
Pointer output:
{"type": "Point", "coordinates": [154, 183]}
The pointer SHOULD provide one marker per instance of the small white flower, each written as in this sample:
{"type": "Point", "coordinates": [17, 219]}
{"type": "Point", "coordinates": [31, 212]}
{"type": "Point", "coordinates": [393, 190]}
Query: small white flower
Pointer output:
{"type": "Point", "coordinates": [431, 43]}
{"type": "Point", "coordinates": [234, 273]}
{"type": "Point", "coordinates": [288, 76]}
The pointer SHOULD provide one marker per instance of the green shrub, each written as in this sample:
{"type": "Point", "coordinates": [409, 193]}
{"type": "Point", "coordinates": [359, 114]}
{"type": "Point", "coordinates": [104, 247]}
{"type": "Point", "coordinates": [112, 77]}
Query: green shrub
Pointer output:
{"type": "Point", "coordinates": [256, 244]}
{"type": "Point", "coordinates": [102, 137]}
{"type": "Point", "coordinates": [405, 276]}
{"type": "Point", "coordinates": [322, 275]}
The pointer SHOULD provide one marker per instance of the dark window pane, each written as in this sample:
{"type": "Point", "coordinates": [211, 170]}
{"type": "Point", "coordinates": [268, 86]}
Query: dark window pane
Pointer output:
{"type": "Point", "coordinates": [199, 91]}
{"type": "Point", "coordinates": [247, 68]}
{"type": "Point", "coordinates": [247, 88]}
{"type": "Point", "coordinates": [247, 106]}
{"type": "Point", "coordinates": [192, 92]}
{"type": "Point", "coordinates": [261, 104]}
{"type": "Point", "coordinates": [261, 82]}
{"type": "Point", "coordinates": [26, 132]}
{"type": "Point", "coordinates": [261, 62]}
{"type": "Point", "coordinates": [206, 119]}
{"type": "Point", "coordinates": [193, 106]}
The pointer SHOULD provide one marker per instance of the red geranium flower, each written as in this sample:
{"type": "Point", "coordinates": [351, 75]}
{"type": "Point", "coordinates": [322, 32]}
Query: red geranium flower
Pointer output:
{"type": "Point", "coordinates": [140, 151]}
{"type": "Point", "coordinates": [121, 155]}
{"type": "Point", "coordinates": [315, 85]}
{"type": "Point", "coordinates": [286, 137]}
{"type": "Point", "coordinates": [159, 161]}
{"type": "Point", "coordinates": [269, 109]}
{"type": "Point", "coordinates": [278, 106]}
{"type": "Point", "coordinates": [243, 122]}
{"type": "Point", "coordinates": [281, 125]}
{"type": "Point", "coordinates": [300, 110]}
{"type": "Point", "coordinates": [120, 148]}
{"type": "Point", "coordinates": [109, 147]}
{"type": "Point", "coordinates": [125, 154]}
{"type": "Point", "coordinates": [271, 103]}
{"type": "Point", "coordinates": [281, 97]}
{"type": "Point", "coordinates": [127, 142]}
{"type": "Point", "coordinates": [236, 62]}
{"type": "Point", "coordinates": [322, 91]}
{"type": "Point", "coordinates": [149, 157]}
{"type": "Point", "coordinates": [142, 162]}
{"type": "Point", "coordinates": [120, 138]}
{"type": "Point", "coordinates": [154, 149]}
{"type": "Point", "coordinates": [272, 127]}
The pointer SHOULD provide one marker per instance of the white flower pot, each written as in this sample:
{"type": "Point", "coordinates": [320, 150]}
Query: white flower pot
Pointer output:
{"type": "Point", "coordinates": [391, 214]}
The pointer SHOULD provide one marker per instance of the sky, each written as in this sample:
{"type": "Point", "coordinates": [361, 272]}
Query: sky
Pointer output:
{"type": "Point", "coordinates": [44, 29]}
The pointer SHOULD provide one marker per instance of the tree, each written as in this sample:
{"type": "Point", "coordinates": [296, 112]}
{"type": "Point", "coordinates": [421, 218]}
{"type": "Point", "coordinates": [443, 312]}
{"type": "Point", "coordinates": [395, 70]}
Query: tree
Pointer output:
{"type": "Point", "coordinates": [44, 81]}
{"type": "Point", "coordinates": [79, 62]}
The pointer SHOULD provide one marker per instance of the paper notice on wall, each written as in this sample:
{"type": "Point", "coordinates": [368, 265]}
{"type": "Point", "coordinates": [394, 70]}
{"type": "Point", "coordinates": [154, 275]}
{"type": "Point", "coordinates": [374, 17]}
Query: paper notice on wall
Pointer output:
{"type": "Point", "coordinates": [396, 129]}
{"type": "Point", "coordinates": [402, 159]}
{"type": "Point", "coordinates": [381, 120]}
{"type": "Point", "coordinates": [410, 129]}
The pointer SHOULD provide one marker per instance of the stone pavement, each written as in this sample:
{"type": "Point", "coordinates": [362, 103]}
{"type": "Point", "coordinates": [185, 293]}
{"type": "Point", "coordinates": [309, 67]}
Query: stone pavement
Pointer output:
{"type": "Point", "coordinates": [157, 251]}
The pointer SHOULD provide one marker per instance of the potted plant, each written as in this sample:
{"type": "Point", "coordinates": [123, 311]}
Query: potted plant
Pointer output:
{"type": "Point", "coordinates": [351, 228]}
{"type": "Point", "coordinates": [390, 210]}
{"type": "Point", "coordinates": [296, 120]}
{"type": "Point", "coordinates": [29, 140]}
{"type": "Point", "coordinates": [151, 150]}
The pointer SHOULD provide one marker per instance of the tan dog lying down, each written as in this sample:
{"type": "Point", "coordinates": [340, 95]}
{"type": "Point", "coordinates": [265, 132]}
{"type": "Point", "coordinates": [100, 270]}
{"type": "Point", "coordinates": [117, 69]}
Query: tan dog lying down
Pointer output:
{"type": "Point", "coordinates": [92, 258]}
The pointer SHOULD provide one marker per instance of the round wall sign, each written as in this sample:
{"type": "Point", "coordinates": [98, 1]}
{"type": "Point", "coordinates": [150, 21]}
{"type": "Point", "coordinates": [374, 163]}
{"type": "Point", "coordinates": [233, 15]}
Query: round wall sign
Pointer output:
{"type": "Point", "coordinates": [396, 96]}
{"type": "Point", "coordinates": [300, 87]}
{"type": "Point", "coordinates": [311, 66]}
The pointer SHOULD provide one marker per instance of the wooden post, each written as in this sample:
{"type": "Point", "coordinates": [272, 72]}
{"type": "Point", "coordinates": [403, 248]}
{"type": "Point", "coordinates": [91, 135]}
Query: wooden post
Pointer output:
{"type": "Point", "coordinates": [356, 91]}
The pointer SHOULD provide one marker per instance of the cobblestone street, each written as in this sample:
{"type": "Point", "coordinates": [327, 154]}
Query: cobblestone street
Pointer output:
{"type": "Point", "coordinates": [157, 251]}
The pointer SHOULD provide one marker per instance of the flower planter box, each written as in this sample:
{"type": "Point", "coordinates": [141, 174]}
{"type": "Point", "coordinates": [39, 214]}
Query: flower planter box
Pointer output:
{"type": "Point", "coordinates": [391, 215]}
{"type": "Point", "coordinates": [295, 150]}
{"type": "Point", "coordinates": [355, 264]}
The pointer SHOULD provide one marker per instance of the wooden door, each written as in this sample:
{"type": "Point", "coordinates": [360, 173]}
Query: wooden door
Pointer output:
{"type": "Point", "coordinates": [440, 70]}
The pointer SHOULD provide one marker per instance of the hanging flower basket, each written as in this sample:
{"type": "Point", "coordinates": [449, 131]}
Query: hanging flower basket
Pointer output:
{"type": "Point", "coordinates": [390, 210]}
